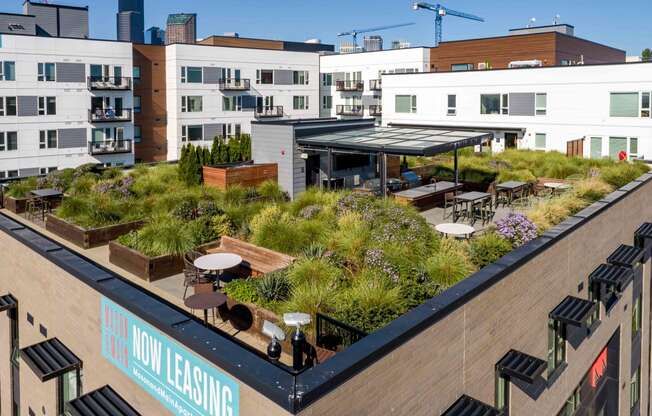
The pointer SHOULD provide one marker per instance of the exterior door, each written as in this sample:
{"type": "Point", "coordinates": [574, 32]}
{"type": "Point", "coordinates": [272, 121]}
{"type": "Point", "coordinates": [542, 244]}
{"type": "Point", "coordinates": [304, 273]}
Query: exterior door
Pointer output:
{"type": "Point", "coordinates": [312, 170]}
{"type": "Point", "coordinates": [510, 140]}
{"type": "Point", "coordinates": [617, 145]}
{"type": "Point", "coordinates": [117, 73]}
{"type": "Point", "coordinates": [118, 106]}
{"type": "Point", "coordinates": [596, 147]}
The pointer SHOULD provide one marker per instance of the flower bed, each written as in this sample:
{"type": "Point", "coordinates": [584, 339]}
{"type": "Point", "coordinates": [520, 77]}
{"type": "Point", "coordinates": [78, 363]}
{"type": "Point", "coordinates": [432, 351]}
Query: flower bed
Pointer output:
{"type": "Point", "coordinates": [88, 237]}
{"type": "Point", "coordinates": [15, 205]}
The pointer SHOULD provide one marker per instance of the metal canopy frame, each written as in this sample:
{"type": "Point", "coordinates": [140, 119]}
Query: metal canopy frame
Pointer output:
{"type": "Point", "coordinates": [101, 402]}
{"type": "Point", "coordinates": [7, 302]}
{"type": "Point", "coordinates": [522, 366]}
{"type": "Point", "coordinates": [50, 359]}
{"type": "Point", "coordinates": [573, 311]}
{"type": "Point", "coordinates": [468, 406]}
{"type": "Point", "coordinates": [612, 275]}
{"type": "Point", "coordinates": [626, 256]}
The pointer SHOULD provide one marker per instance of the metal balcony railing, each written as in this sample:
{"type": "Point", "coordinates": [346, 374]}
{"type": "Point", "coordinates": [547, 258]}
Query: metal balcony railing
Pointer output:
{"type": "Point", "coordinates": [268, 111]}
{"type": "Point", "coordinates": [349, 110]}
{"type": "Point", "coordinates": [375, 84]}
{"type": "Point", "coordinates": [100, 115]}
{"type": "Point", "coordinates": [349, 86]}
{"type": "Point", "coordinates": [232, 84]}
{"type": "Point", "coordinates": [376, 110]}
{"type": "Point", "coordinates": [109, 83]}
{"type": "Point", "coordinates": [108, 147]}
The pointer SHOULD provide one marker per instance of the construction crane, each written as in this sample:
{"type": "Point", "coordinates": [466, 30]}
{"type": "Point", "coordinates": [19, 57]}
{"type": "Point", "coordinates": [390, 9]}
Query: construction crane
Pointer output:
{"type": "Point", "coordinates": [355, 32]}
{"type": "Point", "coordinates": [440, 12]}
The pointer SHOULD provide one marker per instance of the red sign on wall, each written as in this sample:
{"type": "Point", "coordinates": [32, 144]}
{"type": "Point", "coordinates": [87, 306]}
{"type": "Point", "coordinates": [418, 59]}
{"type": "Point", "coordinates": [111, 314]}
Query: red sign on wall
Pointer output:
{"type": "Point", "coordinates": [598, 368]}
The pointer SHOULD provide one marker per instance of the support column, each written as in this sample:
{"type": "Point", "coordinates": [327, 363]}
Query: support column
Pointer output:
{"type": "Point", "coordinates": [457, 173]}
{"type": "Point", "coordinates": [329, 168]}
{"type": "Point", "coordinates": [382, 163]}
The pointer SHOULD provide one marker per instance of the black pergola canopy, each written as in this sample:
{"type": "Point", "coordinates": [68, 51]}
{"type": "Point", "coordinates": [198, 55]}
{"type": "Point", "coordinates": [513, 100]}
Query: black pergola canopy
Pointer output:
{"type": "Point", "coordinates": [522, 366]}
{"type": "Point", "coordinates": [612, 275]}
{"type": "Point", "coordinates": [643, 232]}
{"type": "Point", "coordinates": [50, 359]}
{"type": "Point", "coordinates": [626, 256]}
{"type": "Point", "coordinates": [7, 302]}
{"type": "Point", "coordinates": [573, 311]}
{"type": "Point", "coordinates": [468, 406]}
{"type": "Point", "coordinates": [101, 402]}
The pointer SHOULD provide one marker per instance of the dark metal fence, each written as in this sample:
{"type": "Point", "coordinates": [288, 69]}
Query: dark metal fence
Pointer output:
{"type": "Point", "coordinates": [334, 335]}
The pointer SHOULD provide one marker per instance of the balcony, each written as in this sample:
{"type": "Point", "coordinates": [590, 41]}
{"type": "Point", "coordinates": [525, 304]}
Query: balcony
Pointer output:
{"type": "Point", "coordinates": [108, 83]}
{"type": "Point", "coordinates": [232, 84]}
{"type": "Point", "coordinates": [376, 110]}
{"type": "Point", "coordinates": [109, 147]}
{"type": "Point", "coordinates": [349, 86]}
{"type": "Point", "coordinates": [109, 116]}
{"type": "Point", "coordinates": [375, 84]}
{"type": "Point", "coordinates": [268, 111]}
{"type": "Point", "coordinates": [349, 110]}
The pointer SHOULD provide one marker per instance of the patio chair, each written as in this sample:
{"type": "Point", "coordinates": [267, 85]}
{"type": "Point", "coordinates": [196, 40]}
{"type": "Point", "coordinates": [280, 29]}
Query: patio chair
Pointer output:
{"type": "Point", "coordinates": [521, 204]}
{"type": "Point", "coordinates": [34, 208]}
{"type": "Point", "coordinates": [449, 202]}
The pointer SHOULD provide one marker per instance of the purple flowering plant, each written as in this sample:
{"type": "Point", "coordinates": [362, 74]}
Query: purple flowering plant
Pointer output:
{"type": "Point", "coordinates": [517, 228]}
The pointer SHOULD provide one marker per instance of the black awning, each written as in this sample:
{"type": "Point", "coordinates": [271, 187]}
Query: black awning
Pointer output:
{"type": "Point", "coordinates": [573, 311]}
{"type": "Point", "coordinates": [468, 406]}
{"type": "Point", "coordinates": [7, 302]}
{"type": "Point", "coordinates": [643, 232]}
{"type": "Point", "coordinates": [50, 359]}
{"type": "Point", "coordinates": [612, 275]}
{"type": "Point", "coordinates": [627, 256]}
{"type": "Point", "coordinates": [522, 366]}
{"type": "Point", "coordinates": [101, 402]}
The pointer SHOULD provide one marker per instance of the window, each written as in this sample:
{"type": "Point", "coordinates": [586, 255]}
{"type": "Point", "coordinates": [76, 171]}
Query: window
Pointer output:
{"type": "Point", "coordinates": [8, 106]}
{"type": "Point", "coordinates": [572, 403]}
{"type": "Point", "coordinates": [47, 72]}
{"type": "Point", "coordinates": [596, 147]}
{"type": "Point", "coordinates": [8, 141]}
{"type": "Point", "coordinates": [635, 389]}
{"type": "Point", "coordinates": [300, 77]}
{"type": "Point", "coordinates": [47, 106]}
{"type": "Point", "coordinates": [594, 296]}
{"type": "Point", "coordinates": [191, 74]}
{"type": "Point", "coordinates": [136, 74]}
{"type": "Point", "coordinates": [47, 139]}
{"type": "Point", "coordinates": [45, 171]}
{"type": "Point", "coordinates": [8, 71]}
{"type": "Point", "coordinates": [326, 80]}
{"type": "Point", "coordinates": [502, 392]}
{"type": "Point", "coordinates": [490, 104]}
{"type": "Point", "coordinates": [68, 388]}
{"type": "Point", "coordinates": [191, 104]}
{"type": "Point", "coordinates": [327, 102]}
{"type": "Point", "coordinates": [617, 146]}
{"type": "Point", "coordinates": [405, 104]}
{"type": "Point", "coordinates": [233, 103]}
{"type": "Point", "coordinates": [541, 104]}
{"type": "Point", "coordinates": [636, 317]}
{"type": "Point", "coordinates": [540, 140]}
{"type": "Point", "coordinates": [645, 104]}
{"type": "Point", "coordinates": [300, 102]}
{"type": "Point", "coordinates": [138, 134]}
{"type": "Point", "coordinates": [556, 345]}
{"type": "Point", "coordinates": [461, 67]}
{"type": "Point", "coordinates": [237, 130]}
{"type": "Point", "coordinates": [624, 104]}
{"type": "Point", "coordinates": [264, 76]}
{"type": "Point", "coordinates": [452, 105]}
{"type": "Point", "coordinates": [633, 147]}
{"type": "Point", "coordinates": [14, 174]}
{"type": "Point", "coordinates": [192, 133]}
{"type": "Point", "coordinates": [226, 130]}
{"type": "Point", "coordinates": [504, 104]}
{"type": "Point", "coordinates": [137, 104]}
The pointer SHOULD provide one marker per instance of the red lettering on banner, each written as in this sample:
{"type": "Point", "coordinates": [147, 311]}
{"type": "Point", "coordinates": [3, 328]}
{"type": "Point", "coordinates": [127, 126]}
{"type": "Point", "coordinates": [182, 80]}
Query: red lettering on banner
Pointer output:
{"type": "Point", "coordinates": [598, 368]}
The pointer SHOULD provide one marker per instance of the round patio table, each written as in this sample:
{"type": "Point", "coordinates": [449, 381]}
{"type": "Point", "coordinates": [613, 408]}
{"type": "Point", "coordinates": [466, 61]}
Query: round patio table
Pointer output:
{"type": "Point", "coordinates": [205, 301]}
{"type": "Point", "coordinates": [556, 186]}
{"type": "Point", "coordinates": [455, 230]}
{"type": "Point", "coordinates": [217, 262]}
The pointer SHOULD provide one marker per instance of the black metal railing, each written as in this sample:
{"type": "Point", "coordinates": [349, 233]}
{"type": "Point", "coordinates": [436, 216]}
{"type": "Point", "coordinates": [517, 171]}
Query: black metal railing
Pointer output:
{"type": "Point", "coordinates": [233, 84]}
{"type": "Point", "coordinates": [108, 83]}
{"type": "Point", "coordinates": [375, 84]}
{"type": "Point", "coordinates": [349, 110]}
{"type": "Point", "coordinates": [334, 335]}
{"type": "Point", "coordinates": [376, 110]}
{"type": "Point", "coordinates": [100, 115]}
{"type": "Point", "coordinates": [268, 111]}
{"type": "Point", "coordinates": [107, 147]}
{"type": "Point", "coordinates": [349, 86]}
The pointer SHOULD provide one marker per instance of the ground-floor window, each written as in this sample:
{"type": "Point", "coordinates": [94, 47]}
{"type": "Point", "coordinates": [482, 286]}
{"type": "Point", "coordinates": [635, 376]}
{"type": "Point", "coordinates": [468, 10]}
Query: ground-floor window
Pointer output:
{"type": "Point", "coordinates": [596, 147]}
{"type": "Point", "coordinates": [540, 140]}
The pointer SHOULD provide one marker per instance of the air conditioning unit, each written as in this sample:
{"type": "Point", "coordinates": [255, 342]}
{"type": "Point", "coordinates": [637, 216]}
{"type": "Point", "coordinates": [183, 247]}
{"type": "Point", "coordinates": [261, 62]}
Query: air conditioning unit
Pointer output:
{"type": "Point", "coordinates": [482, 65]}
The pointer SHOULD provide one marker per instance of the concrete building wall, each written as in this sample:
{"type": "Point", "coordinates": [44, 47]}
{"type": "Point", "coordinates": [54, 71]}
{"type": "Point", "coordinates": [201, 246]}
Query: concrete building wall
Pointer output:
{"type": "Point", "coordinates": [73, 99]}
{"type": "Point", "coordinates": [578, 103]}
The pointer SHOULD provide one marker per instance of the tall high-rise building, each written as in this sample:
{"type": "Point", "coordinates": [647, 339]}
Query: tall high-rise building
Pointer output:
{"type": "Point", "coordinates": [373, 43]}
{"type": "Point", "coordinates": [131, 21]}
{"type": "Point", "coordinates": [181, 28]}
{"type": "Point", "coordinates": [155, 36]}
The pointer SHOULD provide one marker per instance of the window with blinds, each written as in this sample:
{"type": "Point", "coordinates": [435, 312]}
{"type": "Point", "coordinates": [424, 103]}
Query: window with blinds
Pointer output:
{"type": "Point", "coordinates": [405, 104]}
{"type": "Point", "coordinates": [623, 104]}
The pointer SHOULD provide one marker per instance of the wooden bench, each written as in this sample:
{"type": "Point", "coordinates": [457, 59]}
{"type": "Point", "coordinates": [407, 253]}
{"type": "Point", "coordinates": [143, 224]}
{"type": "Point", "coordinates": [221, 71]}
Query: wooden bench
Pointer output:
{"type": "Point", "coordinates": [255, 260]}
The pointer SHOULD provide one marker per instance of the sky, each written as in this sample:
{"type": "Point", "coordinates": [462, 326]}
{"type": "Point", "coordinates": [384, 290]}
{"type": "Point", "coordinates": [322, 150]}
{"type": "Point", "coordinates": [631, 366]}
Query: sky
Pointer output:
{"type": "Point", "coordinates": [624, 25]}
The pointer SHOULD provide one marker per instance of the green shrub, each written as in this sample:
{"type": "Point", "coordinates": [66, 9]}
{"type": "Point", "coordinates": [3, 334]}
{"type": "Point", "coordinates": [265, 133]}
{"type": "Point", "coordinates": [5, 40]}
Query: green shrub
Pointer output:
{"type": "Point", "coordinates": [521, 175]}
{"type": "Point", "coordinates": [21, 189]}
{"type": "Point", "coordinates": [310, 298]}
{"type": "Point", "coordinates": [415, 292]}
{"type": "Point", "coordinates": [235, 194]}
{"type": "Point", "coordinates": [274, 287]}
{"type": "Point", "coordinates": [448, 266]}
{"type": "Point", "coordinates": [162, 236]}
{"type": "Point", "coordinates": [622, 173]}
{"type": "Point", "coordinates": [488, 248]}
{"type": "Point", "coordinates": [313, 271]}
{"type": "Point", "coordinates": [242, 290]}
{"type": "Point", "coordinates": [271, 190]}
{"type": "Point", "coordinates": [222, 225]}
{"type": "Point", "coordinates": [592, 189]}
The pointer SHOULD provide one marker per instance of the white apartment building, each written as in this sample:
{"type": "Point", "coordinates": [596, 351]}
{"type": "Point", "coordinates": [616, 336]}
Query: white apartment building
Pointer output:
{"type": "Point", "coordinates": [217, 91]}
{"type": "Point", "coordinates": [63, 103]}
{"type": "Point", "coordinates": [608, 106]}
{"type": "Point", "coordinates": [351, 84]}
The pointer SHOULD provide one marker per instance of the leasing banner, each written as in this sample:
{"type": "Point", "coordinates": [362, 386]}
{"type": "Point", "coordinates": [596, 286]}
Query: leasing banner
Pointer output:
{"type": "Point", "coordinates": [185, 383]}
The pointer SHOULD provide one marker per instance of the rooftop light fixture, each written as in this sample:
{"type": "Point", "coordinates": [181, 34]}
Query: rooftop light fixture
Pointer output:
{"type": "Point", "coordinates": [276, 334]}
{"type": "Point", "coordinates": [297, 319]}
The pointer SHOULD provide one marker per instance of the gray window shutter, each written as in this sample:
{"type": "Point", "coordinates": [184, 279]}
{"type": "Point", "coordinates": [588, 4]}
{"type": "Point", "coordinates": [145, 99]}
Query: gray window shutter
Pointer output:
{"type": "Point", "coordinates": [211, 75]}
{"type": "Point", "coordinates": [27, 106]}
{"type": "Point", "coordinates": [282, 77]}
{"type": "Point", "coordinates": [521, 104]}
{"type": "Point", "coordinates": [248, 101]}
{"type": "Point", "coordinates": [212, 130]}
{"type": "Point", "coordinates": [71, 138]}
{"type": "Point", "coordinates": [71, 72]}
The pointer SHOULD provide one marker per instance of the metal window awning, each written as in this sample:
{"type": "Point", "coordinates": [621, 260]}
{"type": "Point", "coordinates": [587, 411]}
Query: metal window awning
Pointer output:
{"type": "Point", "coordinates": [522, 366]}
{"type": "Point", "coordinates": [101, 402]}
{"type": "Point", "coordinates": [626, 256]}
{"type": "Point", "coordinates": [50, 359]}
{"type": "Point", "coordinates": [468, 406]}
{"type": "Point", "coordinates": [7, 302]}
{"type": "Point", "coordinates": [612, 275]}
{"type": "Point", "coordinates": [396, 140]}
{"type": "Point", "coordinates": [643, 232]}
{"type": "Point", "coordinates": [573, 311]}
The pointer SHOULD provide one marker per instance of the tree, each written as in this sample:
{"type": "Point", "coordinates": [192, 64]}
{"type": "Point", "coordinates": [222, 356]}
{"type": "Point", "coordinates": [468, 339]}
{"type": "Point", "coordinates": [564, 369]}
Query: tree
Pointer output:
{"type": "Point", "coordinates": [234, 149]}
{"type": "Point", "coordinates": [215, 151]}
{"type": "Point", "coordinates": [245, 147]}
{"type": "Point", "coordinates": [224, 151]}
{"type": "Point", "coordinates": [646, 55]}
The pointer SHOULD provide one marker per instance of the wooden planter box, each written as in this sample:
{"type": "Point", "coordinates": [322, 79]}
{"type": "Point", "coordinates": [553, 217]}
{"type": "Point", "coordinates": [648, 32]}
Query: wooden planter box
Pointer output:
{"type": "Point", "coordinates": [145, 267]}
{"type": "Point", "coordinates": [15, 205]}
{"type": "Point", "coordinates": [243, 175]}
{"type": "Point", "coordinates": [91, 237]}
